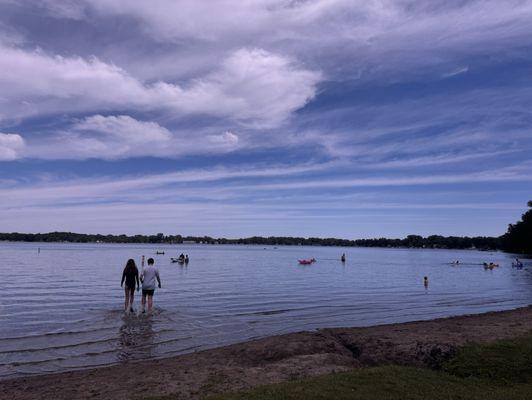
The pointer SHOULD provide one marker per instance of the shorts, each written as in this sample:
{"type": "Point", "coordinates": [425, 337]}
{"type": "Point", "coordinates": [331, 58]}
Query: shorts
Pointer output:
{"type": "Point", "coordinates": [148, 292]}
{"type": "Point", "coordinates": [130, 287]}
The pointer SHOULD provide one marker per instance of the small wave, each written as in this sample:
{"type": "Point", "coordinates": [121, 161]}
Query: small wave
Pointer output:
{"type": "Point", "coordinates": [47, 334]}
{"type": "Point", "coordinates": [268, 312]}
{"type": "Point", "coordinates": [67, 346]}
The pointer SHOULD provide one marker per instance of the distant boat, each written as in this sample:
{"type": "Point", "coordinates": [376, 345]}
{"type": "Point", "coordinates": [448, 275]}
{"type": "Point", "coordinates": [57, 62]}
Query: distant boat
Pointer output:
{"type": "Point", "coordinates": [307, 262]}
{"type": "Point", "coordinates": [159, 252]}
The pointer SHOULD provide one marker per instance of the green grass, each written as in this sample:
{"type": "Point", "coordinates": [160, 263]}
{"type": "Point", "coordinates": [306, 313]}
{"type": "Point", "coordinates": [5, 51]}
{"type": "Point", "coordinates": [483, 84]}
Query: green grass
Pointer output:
{"type": "Point", "coordinates": [505, 361]}
{"type": "Point", "coordinates": [386, 383]}
{"type": "Point", "coordinates": [501, 371]}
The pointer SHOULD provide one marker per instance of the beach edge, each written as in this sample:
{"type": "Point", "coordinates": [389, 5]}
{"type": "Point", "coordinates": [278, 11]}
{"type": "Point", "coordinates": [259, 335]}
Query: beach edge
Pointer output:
{"type": "Point", "coordinates": [274, 359]}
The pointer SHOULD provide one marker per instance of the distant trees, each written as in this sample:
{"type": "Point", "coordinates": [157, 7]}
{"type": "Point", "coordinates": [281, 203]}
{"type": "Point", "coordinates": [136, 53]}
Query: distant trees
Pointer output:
{"type": "Point", "coordinates": [518, 238]}
{"type": "Point", "coordinates": [411, 241]}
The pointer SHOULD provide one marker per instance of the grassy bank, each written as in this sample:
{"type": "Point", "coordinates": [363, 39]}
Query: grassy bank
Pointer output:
{"type": "Point", "coordinates": [387, 383]}
{"type": "Point", "coordinates": [502, 370]}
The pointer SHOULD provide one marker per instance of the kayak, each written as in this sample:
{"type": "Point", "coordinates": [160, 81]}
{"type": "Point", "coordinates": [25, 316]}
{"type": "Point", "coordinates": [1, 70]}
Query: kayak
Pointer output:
{"type": "Point", "coordinates": [305, 262]}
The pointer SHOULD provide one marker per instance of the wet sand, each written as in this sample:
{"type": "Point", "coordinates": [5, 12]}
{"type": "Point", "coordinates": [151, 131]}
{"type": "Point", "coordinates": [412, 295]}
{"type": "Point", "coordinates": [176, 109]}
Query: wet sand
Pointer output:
{"type": "Point", "coordinates": [276, 359]}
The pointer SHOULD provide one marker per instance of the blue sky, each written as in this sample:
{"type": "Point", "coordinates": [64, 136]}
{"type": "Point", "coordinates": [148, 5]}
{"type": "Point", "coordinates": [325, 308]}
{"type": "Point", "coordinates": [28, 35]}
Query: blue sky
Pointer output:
{"type": "Point", "coordinates": [314, 118]}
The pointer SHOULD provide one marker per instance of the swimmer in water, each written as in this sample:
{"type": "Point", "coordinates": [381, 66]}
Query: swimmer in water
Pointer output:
{"type": "Point", "coordinates": [425, 281]}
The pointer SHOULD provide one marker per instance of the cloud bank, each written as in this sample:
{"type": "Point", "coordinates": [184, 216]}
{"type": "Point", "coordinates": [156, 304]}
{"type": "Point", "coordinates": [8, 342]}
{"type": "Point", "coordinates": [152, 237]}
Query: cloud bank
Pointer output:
{"type": "Point", "coordinates": [303, 114]}
{"type": "Point", "coordinates": [251, 86]}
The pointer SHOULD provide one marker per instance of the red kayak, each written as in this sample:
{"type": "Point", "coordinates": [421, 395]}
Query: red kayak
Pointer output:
{"type": "Point", "coordinates": [305, 262]}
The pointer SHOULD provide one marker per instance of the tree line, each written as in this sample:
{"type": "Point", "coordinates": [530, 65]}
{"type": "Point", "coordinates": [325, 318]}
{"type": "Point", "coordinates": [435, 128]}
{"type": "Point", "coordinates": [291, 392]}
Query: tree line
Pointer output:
{"type": "Point", "coordinates": [518, 239]}
{"type": "Point", "coordinates": [434, 241]}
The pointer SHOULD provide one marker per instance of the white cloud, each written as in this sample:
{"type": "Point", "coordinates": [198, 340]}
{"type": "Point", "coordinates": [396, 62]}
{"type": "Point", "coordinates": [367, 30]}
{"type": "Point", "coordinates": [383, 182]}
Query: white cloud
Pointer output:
{"type": "Point", "coordinates": [251, 85]}
{"type": "Point", "coordinates": [121, 136]}
{"type": "Point", "coordinates": [123, 127]}
{"type": "Point", "coordinates": [10, 146]}
{"type": "Point", "coordinates": [254, 86]}
{"type": "Point", "coordinates": [243, 74]}
{"type": "Point", "coordinates": [373, 36]}
{"type": "Point", "coordinates": [227, 138]}
{"type": "Point", "coordinates": [110, 137]}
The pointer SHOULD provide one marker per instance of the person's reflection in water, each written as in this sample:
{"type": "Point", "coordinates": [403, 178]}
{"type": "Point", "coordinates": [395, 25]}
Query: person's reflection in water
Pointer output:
{"type": "Point", "coordinates": [136, 340]}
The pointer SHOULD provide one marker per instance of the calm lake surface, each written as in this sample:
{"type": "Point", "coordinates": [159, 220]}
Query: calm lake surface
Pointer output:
{"type": "Point", "coordinates": [62, 308]}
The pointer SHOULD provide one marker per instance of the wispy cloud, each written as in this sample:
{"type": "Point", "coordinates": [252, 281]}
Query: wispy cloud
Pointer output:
{"type": "Point", "coordinates": [303, 116]}
{"type": "Point", "coordinates": [113, 189]}
{"type": "Point", "coordinates": [457, 71]}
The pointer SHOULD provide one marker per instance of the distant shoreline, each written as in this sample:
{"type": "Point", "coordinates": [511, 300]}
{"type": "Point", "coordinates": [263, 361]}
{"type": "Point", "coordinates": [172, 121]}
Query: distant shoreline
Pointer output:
{"type": "Point", "coordinates": [277, 359]}
{"type": "Point", "coordinates": [164, 245]}
{"type": "Point", "coordinates": [411, 241]}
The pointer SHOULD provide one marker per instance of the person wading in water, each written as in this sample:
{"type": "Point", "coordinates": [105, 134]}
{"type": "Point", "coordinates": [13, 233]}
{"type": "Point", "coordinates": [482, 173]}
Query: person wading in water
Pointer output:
{"type": "Point", "coordinates": [131, 277]}
{"type": "Point", "coordinates": [149, 275]}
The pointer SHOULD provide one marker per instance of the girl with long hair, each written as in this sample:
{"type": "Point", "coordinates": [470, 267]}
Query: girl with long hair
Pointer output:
{"type": "Point", "coordinates": [131, 277]}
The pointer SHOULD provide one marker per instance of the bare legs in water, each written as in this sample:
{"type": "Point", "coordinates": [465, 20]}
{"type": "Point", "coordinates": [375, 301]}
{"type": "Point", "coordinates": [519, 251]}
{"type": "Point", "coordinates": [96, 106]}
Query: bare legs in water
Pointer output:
{"type": "Point", "coordinates": [129, 297]}
{"type": "Point", "coordinates": [150, 302]}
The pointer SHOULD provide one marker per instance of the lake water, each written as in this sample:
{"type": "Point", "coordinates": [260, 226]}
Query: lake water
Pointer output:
{"type": "Point", "coordinates": [61, 309]}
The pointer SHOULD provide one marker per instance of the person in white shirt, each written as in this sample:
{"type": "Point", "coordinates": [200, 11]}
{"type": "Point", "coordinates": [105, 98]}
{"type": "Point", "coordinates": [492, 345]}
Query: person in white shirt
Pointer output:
{"type": "Point", "coordinates": [148, 277]}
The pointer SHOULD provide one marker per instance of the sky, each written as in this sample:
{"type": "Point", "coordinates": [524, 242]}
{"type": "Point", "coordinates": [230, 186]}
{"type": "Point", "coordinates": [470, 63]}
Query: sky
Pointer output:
{"type": "Point", "coordinates": [229, 118]}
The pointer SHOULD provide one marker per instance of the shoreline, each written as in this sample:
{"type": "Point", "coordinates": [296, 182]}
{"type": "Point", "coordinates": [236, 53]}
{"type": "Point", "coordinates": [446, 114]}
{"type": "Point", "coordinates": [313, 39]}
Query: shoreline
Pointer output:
{"type": "Point", "coordinates": [276, 359]}
{"type": "Point", "coordinates": [481, 243]}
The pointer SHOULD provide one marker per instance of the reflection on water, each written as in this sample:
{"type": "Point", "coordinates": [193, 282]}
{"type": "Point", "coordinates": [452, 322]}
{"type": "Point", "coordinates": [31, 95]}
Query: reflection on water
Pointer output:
{"type": "Point", "coordinates": [61, 308]}
{"type": "Point", "coordinates": [135, 337]}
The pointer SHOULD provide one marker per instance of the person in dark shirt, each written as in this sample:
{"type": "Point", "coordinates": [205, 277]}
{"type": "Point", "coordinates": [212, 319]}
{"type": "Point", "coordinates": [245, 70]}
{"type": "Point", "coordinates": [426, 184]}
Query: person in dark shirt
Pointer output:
{"type": "Point", "coordinates": [131, 277]}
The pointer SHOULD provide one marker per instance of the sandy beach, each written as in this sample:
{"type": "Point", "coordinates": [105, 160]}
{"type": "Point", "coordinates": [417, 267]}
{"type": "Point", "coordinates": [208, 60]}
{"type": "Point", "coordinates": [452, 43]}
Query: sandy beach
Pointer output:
{"type": "Point", "coordinates": [276, 359]}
